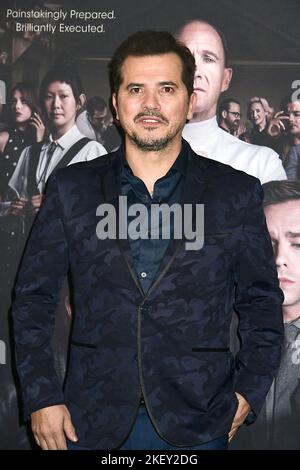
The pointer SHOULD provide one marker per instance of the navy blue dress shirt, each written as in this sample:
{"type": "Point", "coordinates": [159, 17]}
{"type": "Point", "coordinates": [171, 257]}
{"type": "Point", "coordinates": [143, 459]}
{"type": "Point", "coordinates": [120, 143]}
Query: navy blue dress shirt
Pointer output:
{"type": "Point", "coordinates": [148, 253]}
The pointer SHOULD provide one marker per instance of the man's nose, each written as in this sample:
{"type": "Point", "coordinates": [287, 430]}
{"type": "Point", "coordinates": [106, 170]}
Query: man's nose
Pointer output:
{"type": "Point", "coordinates": [199, 71]}
{"type": "Point", "coordinates": [280, 256]}
{"type": "Point", "coordinates": [56, 102]}
{"type": "Point", "coordinates": [291, 118]}
{"type": "Point", "coordinates": [18, 104]}
{"type": "Point", "coordinates": [151, 100]}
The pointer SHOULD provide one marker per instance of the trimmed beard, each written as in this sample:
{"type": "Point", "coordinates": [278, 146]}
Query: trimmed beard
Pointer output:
{"type": "Point", "coordinates": [153, 145]}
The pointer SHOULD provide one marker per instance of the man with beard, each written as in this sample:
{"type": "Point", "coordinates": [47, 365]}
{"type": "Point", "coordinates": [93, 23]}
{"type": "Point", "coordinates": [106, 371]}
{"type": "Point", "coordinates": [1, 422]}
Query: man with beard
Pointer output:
{"type": "Point", "coordinates": [150, 366]}
{"type": "Point", "coordinates": [229, 116]}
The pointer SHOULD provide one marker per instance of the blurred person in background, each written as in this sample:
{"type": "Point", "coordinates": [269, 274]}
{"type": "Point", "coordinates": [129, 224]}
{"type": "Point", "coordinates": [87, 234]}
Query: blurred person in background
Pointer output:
{"type": "Point", "coordinates": [25, 128]}
{"type": "Point", "coordinates": [229, 117]}
{"type": "Point", "coordinates": [96, 123]}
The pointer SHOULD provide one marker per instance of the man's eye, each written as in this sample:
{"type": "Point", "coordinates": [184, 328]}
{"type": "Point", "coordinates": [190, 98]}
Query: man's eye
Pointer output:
{"type": "Point", "coordinates": [135, 90]}
{"type": "Point", "coordinates": [208, 59]}
{"type": "Point", "coordinates": [168, 89]}
{"type": "Point", "coordinates": [63, 97]}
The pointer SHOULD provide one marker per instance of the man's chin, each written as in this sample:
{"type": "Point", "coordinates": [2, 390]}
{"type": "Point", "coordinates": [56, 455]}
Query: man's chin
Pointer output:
{"type": "Point", "coordinates": [151, 145]}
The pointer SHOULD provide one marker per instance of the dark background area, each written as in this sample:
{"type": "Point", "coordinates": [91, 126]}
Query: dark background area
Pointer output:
{"type": "Point", "coordinates": [263, 38]}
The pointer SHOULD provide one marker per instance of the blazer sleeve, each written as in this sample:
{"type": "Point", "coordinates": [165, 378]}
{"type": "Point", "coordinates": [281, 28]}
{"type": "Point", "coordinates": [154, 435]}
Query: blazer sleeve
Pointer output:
{"type": "Point", "coordinates": [259, 306]}
{"type": "Point", "coordinates": [43, 269]}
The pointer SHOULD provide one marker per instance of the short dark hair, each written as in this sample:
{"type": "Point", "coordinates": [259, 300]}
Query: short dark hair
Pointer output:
{"type": "Point", "coordinates": [147, 43]}
{"type": "Point", "coordinates": [224, 106]}
{"type": "Point", "coordinates": [28, 93]}
{"type": "Point", "coordinates": [218, 31]}
{"type": "Point", "coordinates": [286, 100]}
{"type": "Point", "coordinates": [95, 103]}
{"type": "Point", "coordinates": [277, 192]}
{"type": "Point", "coordinates": [64, 74]}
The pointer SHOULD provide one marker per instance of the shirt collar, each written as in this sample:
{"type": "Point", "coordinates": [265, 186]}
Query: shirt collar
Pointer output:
{"type": "Point", "coordinates": [71, 136]}
{"type": "Point", "coordinates": [295, 322]}
{"type": "Point", "coordinates": [201, 130]}
{"type": "Point", "coordinates": [179, 165]}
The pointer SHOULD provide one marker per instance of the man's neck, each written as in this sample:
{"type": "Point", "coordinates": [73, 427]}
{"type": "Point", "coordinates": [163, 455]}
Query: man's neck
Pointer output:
{"type": "Point", "coordinates": [296, 139]}
{"type": "Point", "coordinates": [291, 313]}
{"type": "Point", "coordinates": [224, 126]}
{"type": "Point", "coordinates": [151, 166]}
{"type": "Point", "coordinates": [58, 132]}
{"type": "Point", "coordinates": [200, 116]}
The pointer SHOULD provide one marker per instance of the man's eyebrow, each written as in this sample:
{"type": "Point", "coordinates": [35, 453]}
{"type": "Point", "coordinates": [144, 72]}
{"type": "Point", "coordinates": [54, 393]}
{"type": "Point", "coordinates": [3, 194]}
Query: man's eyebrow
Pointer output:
{"type": "Point", "coordinates": [162, 83]}
{"type": "Point", "coordinates": [208, 52]}
{"type": "Point", "coordinates": [168, 83]}
{"type": "Point", "coordinates": [290, 234]}
{"type": "Point", "coordinates": [133, 84]}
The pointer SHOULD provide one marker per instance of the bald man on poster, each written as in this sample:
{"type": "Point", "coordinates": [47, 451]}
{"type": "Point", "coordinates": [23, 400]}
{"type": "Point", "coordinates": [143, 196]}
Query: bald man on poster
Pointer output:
{"type": "Point", "coordinates": [213, 76]}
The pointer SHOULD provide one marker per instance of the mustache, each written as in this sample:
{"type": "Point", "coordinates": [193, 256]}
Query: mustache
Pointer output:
{"type": "Point", "coordinates": [149, 113]}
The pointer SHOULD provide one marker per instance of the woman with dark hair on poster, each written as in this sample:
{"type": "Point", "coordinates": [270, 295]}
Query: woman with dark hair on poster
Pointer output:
{"type": "Point", "coordinates": [26, 128]}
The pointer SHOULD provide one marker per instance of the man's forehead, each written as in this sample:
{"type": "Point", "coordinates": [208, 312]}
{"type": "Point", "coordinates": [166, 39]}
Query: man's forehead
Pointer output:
{"type": "Point", "coordinates": [161, 66]}
{"type": "Point", "coordinates": [285, 213]}
{"type": "Point", "coordinates": [99, 113]}
{"type": "Point", "coordinates": [199, 32]}
{"type": "Point", "coordinates": [233, 105]}
{"type": "Point", "coordinates": [294, 105]}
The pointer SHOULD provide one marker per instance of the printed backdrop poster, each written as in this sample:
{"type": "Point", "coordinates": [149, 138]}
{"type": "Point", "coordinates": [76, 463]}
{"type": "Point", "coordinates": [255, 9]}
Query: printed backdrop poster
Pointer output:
{"type": "Point", "coordinates": [263, 39]}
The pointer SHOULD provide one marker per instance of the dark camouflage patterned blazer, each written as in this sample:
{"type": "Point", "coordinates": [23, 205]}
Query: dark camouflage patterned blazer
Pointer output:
{"type": "Point", "coordinates": [173, 343]}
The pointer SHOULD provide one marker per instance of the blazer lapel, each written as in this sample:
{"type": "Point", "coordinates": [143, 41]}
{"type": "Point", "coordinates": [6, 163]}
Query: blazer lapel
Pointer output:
{"type": "Point", "coordinates": [111, 182]}
{"type": "Point", "coordinates": [193, 193]}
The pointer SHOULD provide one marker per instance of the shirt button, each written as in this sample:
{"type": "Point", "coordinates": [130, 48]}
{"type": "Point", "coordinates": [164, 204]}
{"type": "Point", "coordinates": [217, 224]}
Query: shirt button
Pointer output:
{"type": "Point", "coordinates": [15, 148]}
{"type": "Point", "coordinates": [143, 274]}
{"type": "Point", "coordinates": [7, 157]}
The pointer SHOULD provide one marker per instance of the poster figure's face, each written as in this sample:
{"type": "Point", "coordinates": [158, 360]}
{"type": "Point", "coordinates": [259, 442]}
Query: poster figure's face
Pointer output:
{"type": "Point", "coordinates": [98, 118]}
{"type": "Point", "coordinates": [21, 111]}
{"type": "Point", "coordinates": [60, 106]}
{"type": "Point", "coordinates": [258, 115]}
{"type": "Point", "coordinates": [232, 117]}
{"type": "Point", "coordinates": [152, 102]}
{"type": "Point", "coordinates": [283, 222]}
{"type": "Point", "coordinates": [294, 115]}
{"type": "Point", "coordinates": [211, 76]}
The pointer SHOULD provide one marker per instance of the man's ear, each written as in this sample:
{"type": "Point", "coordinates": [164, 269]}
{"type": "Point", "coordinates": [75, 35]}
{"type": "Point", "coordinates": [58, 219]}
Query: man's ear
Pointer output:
{"type": "Point", "coordinates": [227, 76]}
{"type": "Point", "coordinates": [115, 105]}
{"type": "Point", "coordinates": [192, 104]}
{"type": "Point", "coordinates": [81, 101]}
{"type": "Point", "coordinates": [224, 114]}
